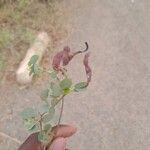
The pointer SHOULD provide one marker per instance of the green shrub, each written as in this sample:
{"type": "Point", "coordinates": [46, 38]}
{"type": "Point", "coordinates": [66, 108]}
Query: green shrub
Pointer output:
{"type": "Point", "coordinates": [5, 38]}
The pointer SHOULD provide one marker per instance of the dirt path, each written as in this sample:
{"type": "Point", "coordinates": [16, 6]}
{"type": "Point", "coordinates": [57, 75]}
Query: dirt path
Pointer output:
{"type": "Point", "coordinates": [113, 114]}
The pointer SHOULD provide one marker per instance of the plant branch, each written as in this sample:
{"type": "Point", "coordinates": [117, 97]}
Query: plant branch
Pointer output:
{"type": "Point", "coordinates": [61, 111]}
{"type": "Point", "coordinates": [59, 99]}
{"type": "Point", "coordinates": [40, 122]}
{"type": "Point", "coordinates": [63, 73]}
{"type": "Point", "coordinates": [40, 125]}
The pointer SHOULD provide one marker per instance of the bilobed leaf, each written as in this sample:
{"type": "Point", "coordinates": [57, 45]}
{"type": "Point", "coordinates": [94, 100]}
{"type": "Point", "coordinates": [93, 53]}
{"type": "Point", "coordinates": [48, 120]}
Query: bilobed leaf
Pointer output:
{"type": "Point", "coordinates": [80, 86]}
{"type": "Point", "coordinates": [29, 123]}
{"type": "Point", "coordinates": [50, 92]}
{"type": "Point", "coordinates": [45, 94]}
{"type": "Point", "coordinates": [35, 128]}
{"type": "Point", "coordinates": [66, 91]}
{"type": "Point", "coordinates": [54, 102]}
{"type": "Point", "coordinates": [65, 84]}
{"type": "Point", "coordinates": [33, 60]}
{"type": "Point", "coordinates": [31, 70]}
{"type": "Point", "coordinates": [35, 69]}
{"type": "Point", "coordinates": [40, 137]}
{"type": "Point", "coordinates": [47, 127]}
{"type": "Point", "coordinates": [48, 117]}
{"type": "Point", "coordinates": [43, 137]}
{"type": "Point", "coordinates": [56, 90]}
{"type": "Point", "coordinates": [44, 109]}
{"type": "Point", "coordinates": [53, 74]}
{"type": "Point", "coordinates": [28, 113]}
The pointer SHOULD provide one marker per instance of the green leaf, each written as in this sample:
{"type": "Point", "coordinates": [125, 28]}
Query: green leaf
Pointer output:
{"type": "Point", "coordinates": [35, 128]}
{"type": "Point", "coordinates": [28, 113]}
{"type": "Point", "coordinates": [66, 91]}
{"type": "Point", "coordinates": [53, 74]}
{"type": "Point", "coordinates": [29, 123]}
{"type": "Point", "coordinates": [65, 84]}
{"type": "Point", "coordinates": [33, 60]}
{"type": "Point", "coordinates": [47, 127]}
{"type": "Point", "coordinates": [44, 109]}
{"type": "Point", "coordinates": [48, 117]}
{"type": "Point", "coordinates": [56, 90]}
{"type": "Point", "coordinates": [80, 86]}
{"type": "Point", "coordinates": [54, 102]}
{"type": "Point", "coordinates": [34, 69]}
{"type": "Point", "coordinates": [45, 94]}
{"type": "Point", "coordinates": [50, 92]}
{"type": "Point", "coordinates": [43, 137]}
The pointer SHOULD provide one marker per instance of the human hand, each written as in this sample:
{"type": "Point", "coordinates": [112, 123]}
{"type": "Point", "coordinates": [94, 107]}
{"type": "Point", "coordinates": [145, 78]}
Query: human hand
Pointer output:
{"type": "Point", "coordinates": [62, 132]}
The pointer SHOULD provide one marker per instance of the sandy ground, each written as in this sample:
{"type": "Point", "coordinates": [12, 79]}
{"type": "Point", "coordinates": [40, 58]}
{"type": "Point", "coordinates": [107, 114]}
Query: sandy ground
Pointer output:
{"type": "Point", "coordinates": [113, 114]}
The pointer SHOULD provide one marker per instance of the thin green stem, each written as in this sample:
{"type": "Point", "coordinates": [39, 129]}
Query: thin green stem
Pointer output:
{"type": "Point", "coordinates": [63, 73]}
{"type": "Point", "coordinates": [58, 100]}
{"type": "Point", "coordinates": [61, 112]}
{"type": "Point", "coordinates": [40, 124]}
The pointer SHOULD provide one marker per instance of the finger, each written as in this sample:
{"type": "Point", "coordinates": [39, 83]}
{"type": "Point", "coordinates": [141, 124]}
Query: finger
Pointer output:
{"type": "Point", "coordinates": [64, 131]}
{"type": "Point", "coordinates": [58, 144]}
{"type": "Point", "coordinates": [31, 143]}
{"type": "Point", "coordinates": [61, 131]}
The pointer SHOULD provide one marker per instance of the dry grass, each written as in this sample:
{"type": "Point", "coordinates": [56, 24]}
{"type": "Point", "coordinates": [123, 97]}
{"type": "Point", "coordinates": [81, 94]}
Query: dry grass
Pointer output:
{"type": "Point", "coordinates": [19, 23]}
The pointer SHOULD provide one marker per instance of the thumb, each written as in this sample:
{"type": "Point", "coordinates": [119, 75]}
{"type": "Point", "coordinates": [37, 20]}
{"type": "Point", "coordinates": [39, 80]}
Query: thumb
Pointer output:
{"type": "Point", "coordinates": [58, 144]}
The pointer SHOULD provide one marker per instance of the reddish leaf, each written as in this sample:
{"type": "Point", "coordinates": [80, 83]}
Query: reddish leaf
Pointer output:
{"type": "Point", "coordinates": [66, 57]}
{"type": "Point", "coordinates": [57, 60]}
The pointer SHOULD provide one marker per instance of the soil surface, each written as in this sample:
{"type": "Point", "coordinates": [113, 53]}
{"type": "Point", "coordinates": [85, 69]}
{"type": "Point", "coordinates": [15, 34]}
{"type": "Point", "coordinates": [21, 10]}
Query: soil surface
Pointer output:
{"type": "Point", "coordinates": [113, 113]}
